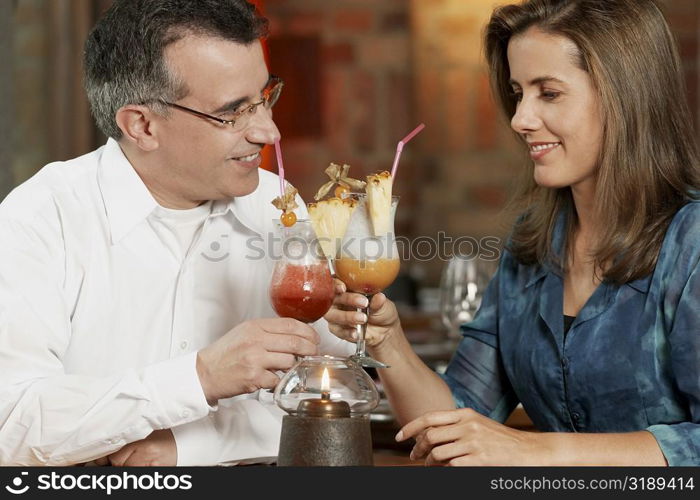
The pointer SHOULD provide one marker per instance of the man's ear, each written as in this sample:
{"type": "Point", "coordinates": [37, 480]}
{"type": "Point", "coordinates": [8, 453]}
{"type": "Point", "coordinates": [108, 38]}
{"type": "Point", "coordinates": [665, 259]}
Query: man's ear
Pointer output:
{"type": "Point", "coordinates": [137, 126]}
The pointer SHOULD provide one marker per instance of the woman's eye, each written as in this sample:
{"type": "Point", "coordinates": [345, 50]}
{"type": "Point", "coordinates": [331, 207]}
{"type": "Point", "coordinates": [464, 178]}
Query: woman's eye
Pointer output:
{"type": "Point", "coordinates": [516, 96]}
{"type": "Point", "coordinates": [550, 96]}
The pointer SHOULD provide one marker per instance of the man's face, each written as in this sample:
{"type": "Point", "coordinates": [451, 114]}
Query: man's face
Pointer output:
{"type": "Point", "coordinates": [202, 159]}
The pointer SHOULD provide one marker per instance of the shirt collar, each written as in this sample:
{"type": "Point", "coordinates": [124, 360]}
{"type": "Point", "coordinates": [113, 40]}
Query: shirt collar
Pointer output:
{"type": "Point", "coordinates": [126, 198]}
{"type": "Point", "coordinates": [642, 284]}
{"type": "Point", "coordinates": [128, 201]}
{"type": "Point", "coordinates": [539, 271]}
{"type": "Point", "coordinates": [536, 273]}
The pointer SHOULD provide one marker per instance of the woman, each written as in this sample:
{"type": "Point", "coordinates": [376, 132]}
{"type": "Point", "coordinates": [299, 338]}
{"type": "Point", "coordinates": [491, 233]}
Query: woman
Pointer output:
{"type": "Point", "coordinates": [607, 248]}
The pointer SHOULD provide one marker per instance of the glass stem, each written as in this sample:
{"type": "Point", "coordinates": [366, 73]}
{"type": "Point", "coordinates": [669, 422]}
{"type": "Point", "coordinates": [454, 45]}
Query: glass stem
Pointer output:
{"type": "Point", "coordinates": [362, 330]}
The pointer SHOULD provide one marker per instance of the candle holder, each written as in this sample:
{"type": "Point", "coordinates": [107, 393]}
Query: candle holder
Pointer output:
{"type": "Point", "coordinates": [328, 401]}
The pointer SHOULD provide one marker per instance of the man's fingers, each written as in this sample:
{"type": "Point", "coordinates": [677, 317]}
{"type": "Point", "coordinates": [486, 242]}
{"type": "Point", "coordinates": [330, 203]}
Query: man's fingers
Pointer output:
{"type": "Point", "coordinates": [278, 361]}
{"type": "Point", "coordinates": [268, 380]}
{"type": "Point", "coordinates": [101, 461]}
{"type": "Point", "coordinates": [289, 326]}
{"type": "Point", "coordinates": [290, 344]}
{"type": "Point", "coordinates": [430, 419]}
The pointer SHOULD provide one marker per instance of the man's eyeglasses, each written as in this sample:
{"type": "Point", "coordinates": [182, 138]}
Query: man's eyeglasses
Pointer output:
{"type": "Point", "coordinates": [241, 118]}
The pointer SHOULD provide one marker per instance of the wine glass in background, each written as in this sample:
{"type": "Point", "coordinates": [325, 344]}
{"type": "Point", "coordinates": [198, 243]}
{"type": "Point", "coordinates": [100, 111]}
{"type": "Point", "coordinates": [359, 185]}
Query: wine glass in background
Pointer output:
{"type": "Point", "coordinates": [464, 280]}
{"type": "Point", "coordinates": [367, 263]}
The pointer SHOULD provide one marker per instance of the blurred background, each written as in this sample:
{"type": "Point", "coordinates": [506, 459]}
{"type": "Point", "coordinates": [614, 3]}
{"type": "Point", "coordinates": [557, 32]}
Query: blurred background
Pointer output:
{"type": "Point", "coordinates": [360, 75]}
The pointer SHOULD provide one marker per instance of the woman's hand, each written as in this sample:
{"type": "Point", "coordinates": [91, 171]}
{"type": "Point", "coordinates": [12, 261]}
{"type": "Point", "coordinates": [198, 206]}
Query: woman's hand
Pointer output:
{"type": "Point", "coordinates": [343, 316]}
{"type": "Point", "coordinates": [465, 437]}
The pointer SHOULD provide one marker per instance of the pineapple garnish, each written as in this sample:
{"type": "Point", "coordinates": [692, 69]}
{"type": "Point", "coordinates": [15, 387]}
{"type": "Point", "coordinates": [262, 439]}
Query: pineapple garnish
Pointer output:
{"type": "Point", "coordinates": [339, 176]}
{"type": "Point", "coordinates": [330, 219]}
{"type": "Point", "coordinates": [379, 202]}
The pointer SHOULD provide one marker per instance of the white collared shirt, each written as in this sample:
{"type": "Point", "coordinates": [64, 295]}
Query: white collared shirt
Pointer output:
{"type": "Point", "coordinates": [101, 318]}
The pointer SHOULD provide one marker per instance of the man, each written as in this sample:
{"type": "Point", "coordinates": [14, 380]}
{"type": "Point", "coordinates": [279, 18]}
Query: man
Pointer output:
{"type": "Point", "coordinates": [129, 295]}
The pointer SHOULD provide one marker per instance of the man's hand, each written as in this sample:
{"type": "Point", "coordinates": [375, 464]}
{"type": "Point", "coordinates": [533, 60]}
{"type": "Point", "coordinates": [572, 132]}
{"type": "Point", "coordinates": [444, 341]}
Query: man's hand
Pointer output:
{"type": "Point", "coordinates": [158, 449]}
{"type": "Point", "coordinates": [246, 358]}
{"type": "Point", "coordinates": [465, 437]}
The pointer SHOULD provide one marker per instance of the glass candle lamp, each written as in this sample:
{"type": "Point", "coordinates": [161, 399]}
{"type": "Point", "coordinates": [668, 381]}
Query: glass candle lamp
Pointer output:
{"type": "Point", "coordinates": [328, 401]}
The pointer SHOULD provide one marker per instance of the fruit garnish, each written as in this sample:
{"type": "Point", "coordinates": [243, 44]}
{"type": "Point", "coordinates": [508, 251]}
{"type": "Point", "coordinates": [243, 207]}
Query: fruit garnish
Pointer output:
{"type": "Point", "coordinates": [330, 219]}
{"type": "Point", "coordinates": [287, 204]}
{"type": "Point", "coordinates": [338, 176]}
{"type": "Point", "coordinates": [379, 202]}
{"type": "Point", "coordinates": [288, 219]}
{"type": "Point", "coordinates": [340, 191]}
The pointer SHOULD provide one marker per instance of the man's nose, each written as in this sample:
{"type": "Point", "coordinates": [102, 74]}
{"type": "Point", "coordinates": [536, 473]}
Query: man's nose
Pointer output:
{"type": "Point", "coordinates": [262, 129]}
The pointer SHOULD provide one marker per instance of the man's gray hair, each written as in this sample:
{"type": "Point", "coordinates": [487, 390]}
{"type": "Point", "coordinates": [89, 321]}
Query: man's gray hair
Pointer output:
{"type": "Point", "coordinates": [124, 61]}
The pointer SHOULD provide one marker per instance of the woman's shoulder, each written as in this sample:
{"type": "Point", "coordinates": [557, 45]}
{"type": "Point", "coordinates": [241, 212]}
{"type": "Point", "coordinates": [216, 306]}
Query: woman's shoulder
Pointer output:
{"type": "Point", "coordinates": [681, 246]}
{"type": "Point", "coordinates": [685, 225]}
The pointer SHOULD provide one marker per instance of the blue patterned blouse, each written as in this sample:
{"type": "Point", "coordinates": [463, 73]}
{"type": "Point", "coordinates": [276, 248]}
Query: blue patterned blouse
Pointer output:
{"type": "Point", "coordinates": [631, 360]}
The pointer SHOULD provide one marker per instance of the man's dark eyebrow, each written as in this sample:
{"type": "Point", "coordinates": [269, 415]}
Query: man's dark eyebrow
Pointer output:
{"type": "Point", "coordinates": [234, 105]}
{"type": "Point", "coordinates": [230, 106]}
{"type": "Point", "coordinates": [537, 81]}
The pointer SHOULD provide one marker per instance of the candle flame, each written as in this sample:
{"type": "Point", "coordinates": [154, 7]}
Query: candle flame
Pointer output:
{"type": "Point", "coordinates": [325, 381]}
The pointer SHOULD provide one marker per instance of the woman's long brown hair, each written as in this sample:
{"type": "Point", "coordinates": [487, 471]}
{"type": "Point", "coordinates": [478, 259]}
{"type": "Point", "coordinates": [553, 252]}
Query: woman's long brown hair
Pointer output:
{"type": "Point", "coordinates": [648, 165]}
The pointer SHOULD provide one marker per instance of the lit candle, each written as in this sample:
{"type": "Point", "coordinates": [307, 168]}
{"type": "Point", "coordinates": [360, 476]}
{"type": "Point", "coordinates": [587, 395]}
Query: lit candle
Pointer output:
{"type": "Point", "coordinates": [325, 385]}
{"type": "Point", "coordinates": [324, 407]}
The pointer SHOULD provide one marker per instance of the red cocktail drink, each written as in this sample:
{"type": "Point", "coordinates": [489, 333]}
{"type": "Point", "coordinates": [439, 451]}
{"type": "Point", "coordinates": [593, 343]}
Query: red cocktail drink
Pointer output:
{"type": "Point", "coordinates": [302, 292]}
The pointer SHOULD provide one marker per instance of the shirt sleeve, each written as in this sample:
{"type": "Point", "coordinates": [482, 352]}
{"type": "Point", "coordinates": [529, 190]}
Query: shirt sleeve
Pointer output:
{"type": "Point", "coordinates": [680, 442]}
{"type": "Point", "coordinates": [49, 416]}
{"type": "Point", "coordinates": [475, 373]}
{"type": "Point", "coordinates": [245, 429]}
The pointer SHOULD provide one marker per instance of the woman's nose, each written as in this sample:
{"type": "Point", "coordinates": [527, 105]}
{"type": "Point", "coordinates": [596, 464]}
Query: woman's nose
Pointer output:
{"type": "Point", "coordinates": [526, 119]}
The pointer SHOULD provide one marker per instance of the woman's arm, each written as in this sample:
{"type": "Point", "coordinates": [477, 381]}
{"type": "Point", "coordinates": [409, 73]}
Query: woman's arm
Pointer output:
{"type": "Point", "coordinates": [465, 437]}
{"type": "Point", "coordinates": [412, 388]}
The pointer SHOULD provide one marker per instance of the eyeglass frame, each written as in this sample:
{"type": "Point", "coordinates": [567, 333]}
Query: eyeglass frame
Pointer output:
{"type": "Point", "coordinates": [274, 91]}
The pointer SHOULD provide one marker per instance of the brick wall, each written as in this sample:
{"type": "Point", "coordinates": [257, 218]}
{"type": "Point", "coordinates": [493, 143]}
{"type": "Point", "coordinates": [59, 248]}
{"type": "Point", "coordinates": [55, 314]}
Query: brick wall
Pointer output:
{"type": "Point", "coordinates": [366, 97]}
{"type": "Point", "coordinates": [467, 158]}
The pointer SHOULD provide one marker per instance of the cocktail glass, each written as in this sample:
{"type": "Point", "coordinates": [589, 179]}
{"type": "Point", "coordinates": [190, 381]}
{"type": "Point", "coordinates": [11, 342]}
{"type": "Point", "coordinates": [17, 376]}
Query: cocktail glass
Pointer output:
{"type": "Point", "coordinates": [301, 286]}
{"type": "Point", "coordinates": [367, 263]}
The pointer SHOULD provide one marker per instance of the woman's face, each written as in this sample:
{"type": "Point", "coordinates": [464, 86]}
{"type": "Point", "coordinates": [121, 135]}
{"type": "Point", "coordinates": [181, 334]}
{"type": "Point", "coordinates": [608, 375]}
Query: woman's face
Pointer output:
{"type": "Point", "coordinates": [558, 109]}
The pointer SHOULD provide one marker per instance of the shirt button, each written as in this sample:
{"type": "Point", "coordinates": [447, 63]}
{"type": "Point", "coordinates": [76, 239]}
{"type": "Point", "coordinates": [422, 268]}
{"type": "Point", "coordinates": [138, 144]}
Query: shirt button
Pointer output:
{"type": "Point", "coordinates": [185, 413]}
{"type": "Point", "coordinates": [576, 417]}
{"type": "Point", "coordinates": [565, 363]}
{"type": "Point", "coordinates": [183, 345]}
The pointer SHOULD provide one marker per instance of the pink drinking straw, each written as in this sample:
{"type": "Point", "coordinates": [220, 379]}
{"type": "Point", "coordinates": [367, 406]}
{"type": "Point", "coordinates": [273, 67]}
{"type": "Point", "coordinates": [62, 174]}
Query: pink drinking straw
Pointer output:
{"type": "Point", "coordinates": [280, 167]}
{"type": "Point", "coordinates": [400, 146]}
